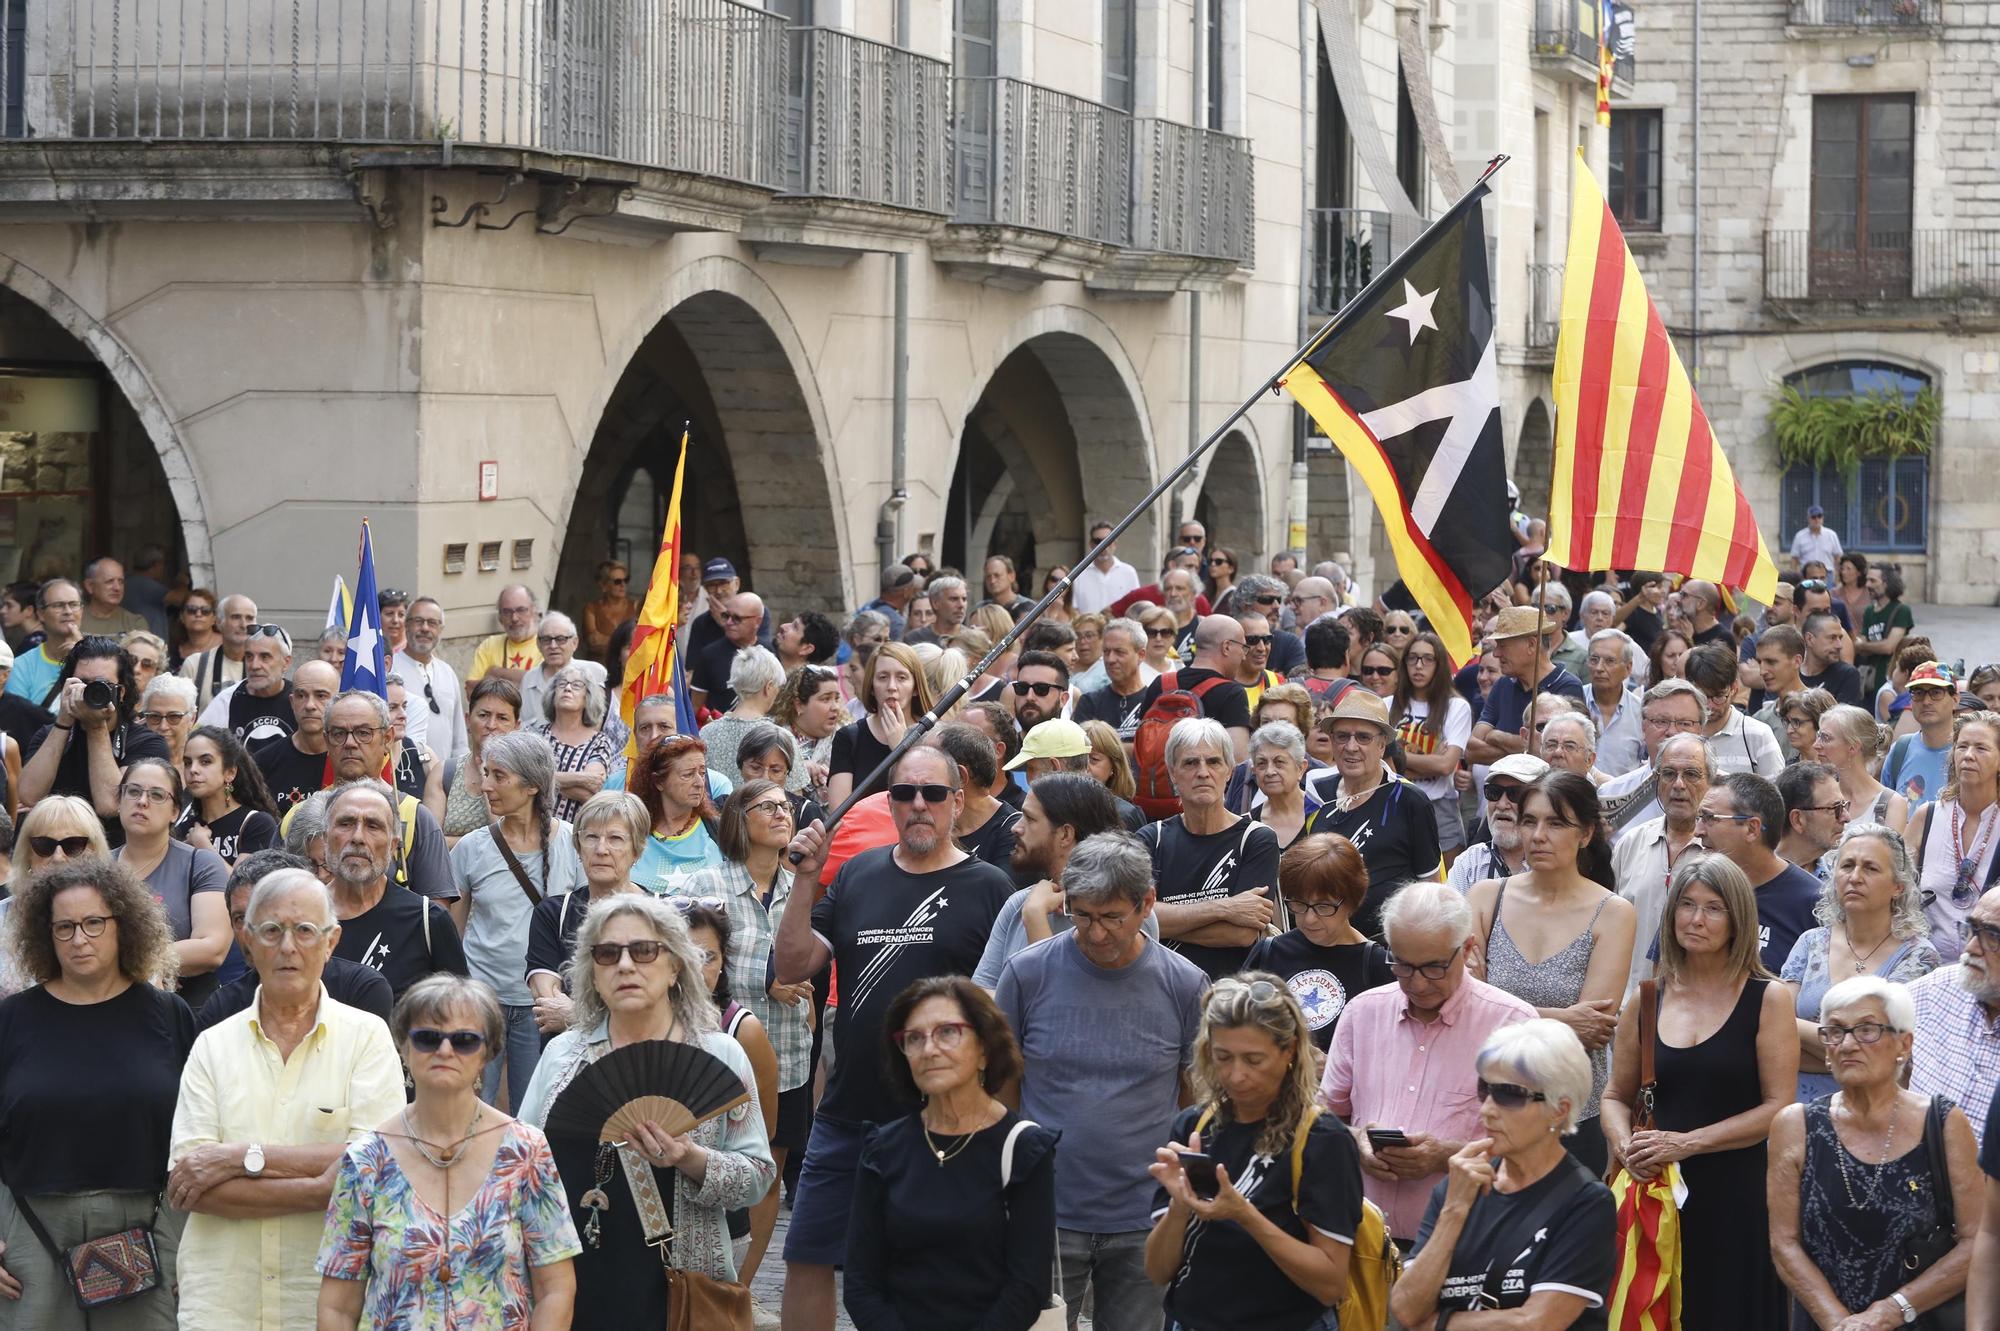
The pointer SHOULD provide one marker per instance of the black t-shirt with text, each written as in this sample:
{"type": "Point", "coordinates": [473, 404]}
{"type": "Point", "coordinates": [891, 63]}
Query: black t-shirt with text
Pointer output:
{"type": "Point", "coordinates": [291, 775]}
{"type": "Point", "coordinates": [239, 832]}
{"type": "Point", "coordinates": [260, 720]}
{"type": "Point", "coordinates": [1241, 858]}
{"type": "Point", "coordinates": [1119, 711]}
{"type": "Point", "coordinates": [1226, 702]}
{"type": "Point", "coordinates": [888, 928]}
{"type": "Point", "coordinates": [1785, 907]}
{"type": "Point", "coordinates": [1323, 979]}
{"type": "Point", "coordinates": [1396, 832]}
{"type": "Point", "coordinates": [1226, 1281]}
{"type": "Point", "coordinates": [1558, 1233]}
{"type": "Point", "coordinates": [389, 937]}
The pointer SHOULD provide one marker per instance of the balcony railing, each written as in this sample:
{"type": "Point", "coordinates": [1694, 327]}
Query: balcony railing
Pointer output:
{"type": "Point", "coordinates": [1032, 157]}
{"type": "Point", "coordinates": [1565, 37]}
{"type": "Point", "coordinates": [1866, 13]}
{"type": "Point", "coordinates": [684, 85]}
{"type": "Point", "coordinates": [870, 122]}
{"type": "Point", "coordinates": [1545, 285]}
{"type": "Point", "coordinates": [1348, 246]}
{"type": "Point", "coordinates": [1193, 192]}
{"type": "Point", "coordinates": [1915, 265]}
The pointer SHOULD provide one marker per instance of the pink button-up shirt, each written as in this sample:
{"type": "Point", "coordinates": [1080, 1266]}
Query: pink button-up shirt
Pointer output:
{"type": "Point", "coordinates": [1390, 1069]}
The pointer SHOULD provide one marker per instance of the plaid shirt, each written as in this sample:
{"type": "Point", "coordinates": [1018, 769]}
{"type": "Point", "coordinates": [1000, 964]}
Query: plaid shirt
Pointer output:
{"type": "Point", "coordinates": [1957, 1050]}
{"type": "Point", "coordinates": [752, 927]}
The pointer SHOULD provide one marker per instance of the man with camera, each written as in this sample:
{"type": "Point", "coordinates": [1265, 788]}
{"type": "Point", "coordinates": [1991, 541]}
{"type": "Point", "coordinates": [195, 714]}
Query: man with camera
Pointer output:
{"type": "Point", "coordinates": [93, 737]}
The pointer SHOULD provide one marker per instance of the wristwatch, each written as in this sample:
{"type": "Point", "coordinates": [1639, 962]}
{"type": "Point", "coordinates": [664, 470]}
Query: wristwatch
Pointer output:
{"type": "Point", "coordinates": [253, 1160]}
{"type": "Point", "coordinates": [1909, 1309]}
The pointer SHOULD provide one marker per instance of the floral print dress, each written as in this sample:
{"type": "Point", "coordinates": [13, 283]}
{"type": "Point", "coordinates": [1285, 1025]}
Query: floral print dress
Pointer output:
{"type": "Point", "coordinates": [469, 1270]}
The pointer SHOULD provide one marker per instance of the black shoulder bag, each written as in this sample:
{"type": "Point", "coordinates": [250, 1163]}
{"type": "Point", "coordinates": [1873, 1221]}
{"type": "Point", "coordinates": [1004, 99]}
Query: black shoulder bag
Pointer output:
{"type": "Point", "coordinates": [112, 1268]}
{"type": "Point", "coordinates": [1923, 1250]}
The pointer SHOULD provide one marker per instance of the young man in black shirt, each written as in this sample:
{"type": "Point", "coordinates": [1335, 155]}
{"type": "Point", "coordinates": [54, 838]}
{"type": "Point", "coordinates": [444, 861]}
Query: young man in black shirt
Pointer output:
{"type": "Point", "coordinates": [357, 986]}
{"type": "Point", "coordinates": [1218, 646]}
{"type": "Point", "coordinates": [89, 743]}
{"type": "Point", "coordinates": [382, 926]}
{"type": "Point", "coordinates": [895, 914]}
{"type": "Point", "coordinates": [1824, 668]}
{"type": "Point", "coordinates": [294, 765]}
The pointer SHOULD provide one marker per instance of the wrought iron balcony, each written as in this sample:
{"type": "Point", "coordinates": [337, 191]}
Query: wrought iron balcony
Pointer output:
{"type": "Point", "coordinates": [1348, 246]}
{"type": "Point", "coordinates": [1034, 158]}
{"type": "Point", "coordinates": [868, 122]}
{"type": "Point", "coordinates": [1866, 13]}
{"type": "Point", "coordinates": [1564, 39]}
{"type": "Point", "coordinates": [1194, 192]}
{"type": "Point", "coordinates": [693, 86]}
{"type": "Point", "coordinates": [1923, 266]}
{"type": "Point", "coordinates": [1545, 287]}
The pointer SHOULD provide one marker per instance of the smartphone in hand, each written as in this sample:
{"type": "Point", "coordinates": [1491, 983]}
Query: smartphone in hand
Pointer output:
{"type": "Point", "coordinates": [1381, 1137]}
{"type": "Point", "coordinates": [1201, 1177]}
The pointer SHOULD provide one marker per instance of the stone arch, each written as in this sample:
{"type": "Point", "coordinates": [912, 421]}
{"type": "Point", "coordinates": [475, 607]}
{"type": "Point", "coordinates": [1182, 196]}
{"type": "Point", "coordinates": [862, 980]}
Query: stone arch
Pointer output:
{"type": "Point", "coordinates": [1230, 503]}
{"type": "Point", "coordinates": [1061, 414]}
{"type": "Point", "coordinates": [132, 380]}
{"type": "Point", "coordinates": [722, 355]}
{"type": "Point", "coordinates": [1534, 459]}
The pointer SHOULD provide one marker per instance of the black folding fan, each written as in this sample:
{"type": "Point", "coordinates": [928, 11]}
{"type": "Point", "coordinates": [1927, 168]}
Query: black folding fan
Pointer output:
{"type": "Point", "coordinates": [678, 1086]}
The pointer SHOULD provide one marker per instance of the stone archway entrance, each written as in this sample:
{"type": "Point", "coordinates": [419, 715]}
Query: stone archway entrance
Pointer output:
{"type": "Point", "coordinates": [1230, 505]}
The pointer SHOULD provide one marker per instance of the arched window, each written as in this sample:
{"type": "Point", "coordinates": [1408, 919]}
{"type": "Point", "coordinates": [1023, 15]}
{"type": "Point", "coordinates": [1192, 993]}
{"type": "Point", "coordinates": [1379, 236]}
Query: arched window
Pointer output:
{"type": "Point", "coordinates": [1885, 504]}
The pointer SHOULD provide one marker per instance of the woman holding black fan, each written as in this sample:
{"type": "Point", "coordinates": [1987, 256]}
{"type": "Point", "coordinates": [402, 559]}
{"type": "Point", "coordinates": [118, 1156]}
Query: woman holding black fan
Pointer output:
{"type": "Point", "coordinates": [643, 1025]}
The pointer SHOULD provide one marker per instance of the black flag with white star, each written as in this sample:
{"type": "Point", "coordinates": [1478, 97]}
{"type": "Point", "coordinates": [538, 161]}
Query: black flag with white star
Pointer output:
{"type": "Point", "coordinates": [1407, 386]}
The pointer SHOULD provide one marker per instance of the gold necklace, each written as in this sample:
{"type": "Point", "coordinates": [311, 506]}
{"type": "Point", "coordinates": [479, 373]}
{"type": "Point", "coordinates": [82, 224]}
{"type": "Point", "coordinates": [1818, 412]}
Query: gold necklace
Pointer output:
{"type": "Point", "coordinates": [947, 1153]}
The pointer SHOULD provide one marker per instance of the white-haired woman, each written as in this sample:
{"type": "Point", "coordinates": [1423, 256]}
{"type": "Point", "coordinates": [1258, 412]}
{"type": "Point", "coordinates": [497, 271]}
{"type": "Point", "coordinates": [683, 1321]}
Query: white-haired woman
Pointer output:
{"type": "Point", "coordinates": [1851, 1181]}
{"type": "Point", "coordinates": [636, 976]}
{"type": "Point", "coordinates": [166, 708]}
{"type": "Point", "coordinates": [1871, 922]}
{"type": "Point", "coordinates": [1256, 1251]}
{"type": "Point", "coordinates": [573, 724]}
{"type": "Point", "coordinates": [1850, 742]}
{"type": "Point", "coordinates": [755, 677]}
{"type": "Point", "coordinates": [1278, 766]}
{"type": "Point", "coordinates": [1518, 1222]}
{"type": "Point", "coordinates": [504, 871]}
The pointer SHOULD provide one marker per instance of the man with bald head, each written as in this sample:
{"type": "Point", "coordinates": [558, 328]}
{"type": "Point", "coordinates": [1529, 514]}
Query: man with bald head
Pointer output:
{"type": "Point", "coordinates": [217, 667]}
{"type": "Point", "coordinates": [1313, 597]}
{"type": "Point", "coordinates": [1702, 600]}
{"type": "Point", "coordinates": [740, 617]}
{"type": "Point", "coordinates": [294, 765]}
{"type": "Point", "coordinates": [557, 640]}
{"type": "Point", "coordinates": [1219, 646]}
{"type": "Point", "coordinates": [510, 653]}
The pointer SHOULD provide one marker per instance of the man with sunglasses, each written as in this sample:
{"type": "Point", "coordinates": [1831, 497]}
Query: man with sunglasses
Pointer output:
{"type": "Point", "coordinates": [893, 915]}
{"type": "Point", "coordinates": [359, 987]}
{"type": "Point", "coordinates": [1259, 595]}
{"type": "Point", "coordinates": [437, 702]}
{"type": "Point", "coordinates": [1039, 690]}
{"type": "Point", "coordinates": [1815, 813]}
{"type": "Point", "coordinates": [1404, 1055]}
{"type": "Point", "coordinates": [1101, 582]}
{"type": "Point", "coordinates": [258, 707]}
{"type": "Point", "coordinates": [1957, 1049]}
{"type": "Point", "coordinates": [385, 927]}
{"type": "Point", "coordinates": [708, 681]}
{"type": "Point", "coordinates": [270, 1099]}
{"type": "Point", "coordinates": [215, 668]}
{"type": "Point", "coordinates": [1504, 849]}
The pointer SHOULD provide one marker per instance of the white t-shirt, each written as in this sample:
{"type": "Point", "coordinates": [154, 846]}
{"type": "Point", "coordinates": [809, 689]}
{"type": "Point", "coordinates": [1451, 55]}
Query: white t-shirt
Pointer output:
{"type": "Point", "coordinates": [1456, 732]}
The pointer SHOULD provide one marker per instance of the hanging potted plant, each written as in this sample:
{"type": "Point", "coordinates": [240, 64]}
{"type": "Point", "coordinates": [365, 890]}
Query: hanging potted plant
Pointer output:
{"type": "Point", "coordinates": [1839, 432]}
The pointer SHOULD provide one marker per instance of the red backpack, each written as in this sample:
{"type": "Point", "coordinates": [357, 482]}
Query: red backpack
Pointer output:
{"type": "Point", "coordinates": [1155, 795]}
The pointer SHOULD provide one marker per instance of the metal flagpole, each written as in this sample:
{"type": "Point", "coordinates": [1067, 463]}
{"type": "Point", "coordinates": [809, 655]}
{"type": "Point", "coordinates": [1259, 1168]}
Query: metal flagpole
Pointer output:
{"type": "Point", "coordinates": [923, 725]}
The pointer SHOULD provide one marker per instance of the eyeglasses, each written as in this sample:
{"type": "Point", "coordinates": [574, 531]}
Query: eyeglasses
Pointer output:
{"type": "Point", "coordinates": [1319, 910]}
{"type": "Point", "coordinates": [145, 794]}
{"type": "Point", "coordinates": [155, 718]}
{"type": "Point", "coordinates": [555, 639]}
{"type": "Point", "coordinates": [1022, 688]}
{"type": "Point", "coordinates": [904, 792]}
{"type": "Point", "coordinates": [1377, 672]}
{"type": "Point", "coordinates": [1355, 738]}
{"type": "Point", "coordinates": [686, 904]}
{"type": "Point", "coordinates": [1563, 748]}
{"type": "Point", "coordinates": [1496, 793]}
{"type": "Point", "coordinates": [428, 1040]}
{"type": "Point", "coordinates": [1708, 910]}
{"type": "Point", "coordinates": [1430, 970]}
{"type": "Point", "coordinates": [271, 933]}
{"type": "Point", "coordinates": [1838, 807]}
{"type": "Point", "coordinates": [771, 808]}
{"type": "Point", "coordinates": [63, 605]}
{"type": "Point", "coordinates": [1420, 658]}
{"type": "Point", "coordinates": [1256, 640]}
{"type": "Point", "coordinates": [1674, 776]}
{"type": "Point", "coordinates": [70, 846]}
{"type": "Point", "coordinates": [1987, 934]}
{"type": "Point", "coordinates": [1867, 1032]}
{"type": "Point", "coordinates": [946, 1036]}
{"type": "Point", "coordinates": [359, 734]}
{"type": "Point", "coordinates": [92, 926]}
{"type": "Point", "coordinates": [1507, 1096]}
{"type": "Point", "coordinates": [425, 621]}
{"type": "Point", "coordinates": [1704, 816]}
{"type": "Point", "coordinates": [643, 951]}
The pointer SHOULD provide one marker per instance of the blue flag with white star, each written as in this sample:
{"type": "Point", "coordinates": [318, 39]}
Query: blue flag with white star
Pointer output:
{"type": "Point", "coordinates": [364, 668]}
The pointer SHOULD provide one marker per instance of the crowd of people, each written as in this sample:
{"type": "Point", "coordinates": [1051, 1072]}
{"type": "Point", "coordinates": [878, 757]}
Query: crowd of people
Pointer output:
{"type": "Point", "coordinates": [1225, 957]}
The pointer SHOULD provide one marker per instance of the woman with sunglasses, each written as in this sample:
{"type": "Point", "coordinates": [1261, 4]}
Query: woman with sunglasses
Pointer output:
{"type": "Point", "coordinates": [1852, 1183]}
{"type": "Point", "coordinates": [1324, 958]}
{"type": "Point", "coordinates": [812, 707]}
{"type": "Point", "coordinates": [1850, 741]}
{"type": "Point", "coordinates": [1250, 1250]}
{"type": "Point", "coordinates": [1871, 922]}
{"type": "Point", "coordinates": [1433, 724]}
{"type": "Point", "coordinates": [1726, 1060]}
{"type": "Point", "coordinates": [613, 606]}
{"type": "Point", "coordinates": [451, 1213]}
{"type": "Point", "coordinates": [1567, 912]}
{"type": "Point", "coordinates": [894, 693]}
{"type": "Point", "coordinates": [638, 977]}
{"type": "Point", "coordinates": [229, 809]}
{"type": "Point", "coordinates": [1954, 837]}
{"type": "Point", "coordinates": [195, 628]}
{"type": "Point", "coordinates": [954, 1205]}
{"type": "Point", "coordinates": [90, 1069]}
{"type": "Point", "coordinates": [186, 880]}
{"type": "Point", "coordinates": [60, 827]}
{"type": "Point", "coordinates": [1378, 670]}
{"type": "Point", "coordinates": [1219, 578]}
{"type": "Point", "coordinates": [1518, 1222]}
{"type": "Point", "coordinates": [1161, 631]}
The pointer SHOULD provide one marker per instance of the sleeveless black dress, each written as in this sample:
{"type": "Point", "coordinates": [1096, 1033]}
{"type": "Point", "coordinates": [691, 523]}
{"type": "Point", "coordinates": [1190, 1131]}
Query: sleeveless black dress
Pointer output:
{"type": "Point", "coordinates": [1727, 1277]}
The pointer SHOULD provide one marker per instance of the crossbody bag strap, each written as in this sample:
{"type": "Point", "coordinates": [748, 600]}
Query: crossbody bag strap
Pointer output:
{"type": "Point", "coordinates": [41, 1234]}
{"type": "Point", "coordinates": [1941, 1199]}
{"type": "Point", "coordinates": [1007, 1177]}
{"type": "Point", "coordinates": [514, 863]}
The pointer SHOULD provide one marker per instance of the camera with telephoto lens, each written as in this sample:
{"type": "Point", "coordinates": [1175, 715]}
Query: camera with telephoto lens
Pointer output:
{"type": "Point", "coordinates": [99, 694]}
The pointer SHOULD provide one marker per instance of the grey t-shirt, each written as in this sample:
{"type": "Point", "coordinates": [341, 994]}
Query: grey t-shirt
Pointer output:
{"type": "Point", "coordinates": [1010, 936]}
{"type": "Point", "coordinates": [176, 879]}
{"type": "Point", "coordinates": [496, 930]}
{"type": "Point", "coordinates": [1104, 1051]}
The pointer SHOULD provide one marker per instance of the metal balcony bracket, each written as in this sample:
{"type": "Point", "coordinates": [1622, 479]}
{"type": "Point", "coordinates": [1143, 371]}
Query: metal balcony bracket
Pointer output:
{"type": "Point", "coordinates": [575, 202]}
{"type": "Point", "coordinates": [478, 209]}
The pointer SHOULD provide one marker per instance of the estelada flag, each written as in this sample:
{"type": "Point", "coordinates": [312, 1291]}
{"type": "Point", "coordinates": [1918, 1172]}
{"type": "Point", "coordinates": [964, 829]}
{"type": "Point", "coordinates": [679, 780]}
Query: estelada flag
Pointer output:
{"type": "Point", "coordinates": [1640, 481]}
{"type": "Point", "coordinates": [654, 666]}
{"type": "Point", "coordinates": [1405, 383]}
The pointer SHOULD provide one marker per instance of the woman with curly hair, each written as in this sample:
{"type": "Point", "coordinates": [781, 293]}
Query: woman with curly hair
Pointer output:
{"type": "Point", "coordinates": [1253, 1251]}
{"type": "Point", "coordinates": [810, 705]}
{"type": "Point", "coordinates": [672, 781]}
{"type": "Point", "coordinates": [229, 810]}
{"type": "Point", "coordinates": [90, 1069]}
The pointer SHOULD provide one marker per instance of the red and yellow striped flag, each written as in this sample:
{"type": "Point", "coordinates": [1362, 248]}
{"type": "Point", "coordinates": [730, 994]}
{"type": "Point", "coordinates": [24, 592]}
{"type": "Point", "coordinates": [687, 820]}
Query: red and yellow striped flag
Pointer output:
{"type": "Point", "coordinates": [1640, 481]}
{"type": "Point", "coordinates": [652, 667]}
{"type": "Point", "coordinates": [1646, 1291]}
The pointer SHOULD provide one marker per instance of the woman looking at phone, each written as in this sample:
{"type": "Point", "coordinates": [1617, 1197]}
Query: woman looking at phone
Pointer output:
{"type": "Point", "coordinates": [1239, 1246]}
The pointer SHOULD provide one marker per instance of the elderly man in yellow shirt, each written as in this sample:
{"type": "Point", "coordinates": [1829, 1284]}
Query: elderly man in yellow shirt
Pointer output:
{"type": "Point", "coordinates": [513, 651]}
{"type": "Point", "coordinates": [269, 1100]}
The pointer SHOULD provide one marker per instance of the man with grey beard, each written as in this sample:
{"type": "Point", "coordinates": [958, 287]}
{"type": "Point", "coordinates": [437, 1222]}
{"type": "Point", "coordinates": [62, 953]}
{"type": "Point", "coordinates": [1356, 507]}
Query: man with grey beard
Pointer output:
{"type": "Point", "coordinates": [1957, 1049]}
{"type": "Point", "coordinates": [1506, 852]}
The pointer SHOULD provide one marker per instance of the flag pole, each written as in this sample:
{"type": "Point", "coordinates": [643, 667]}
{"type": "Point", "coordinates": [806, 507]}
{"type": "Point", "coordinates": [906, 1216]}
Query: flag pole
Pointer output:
{"type": "Point", "coordinates": [1541, 628]}
{"type": "Point", "coordinates": [923, 725]}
